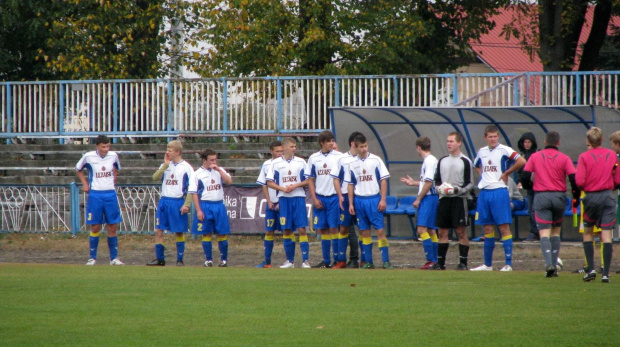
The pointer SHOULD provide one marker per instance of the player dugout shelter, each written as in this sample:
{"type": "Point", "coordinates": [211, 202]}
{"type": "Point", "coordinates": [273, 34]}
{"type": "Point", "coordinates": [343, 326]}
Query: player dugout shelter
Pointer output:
{"type": "Point", "coordinates": [393, 131]}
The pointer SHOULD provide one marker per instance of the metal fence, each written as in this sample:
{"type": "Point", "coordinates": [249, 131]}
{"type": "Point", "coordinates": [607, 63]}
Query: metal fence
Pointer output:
{"type": "Point", "coordinates": [270, 105]}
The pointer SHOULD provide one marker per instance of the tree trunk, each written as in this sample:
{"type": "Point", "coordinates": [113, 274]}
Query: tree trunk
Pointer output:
{"type": "Point", "coordinates": [592, 47]}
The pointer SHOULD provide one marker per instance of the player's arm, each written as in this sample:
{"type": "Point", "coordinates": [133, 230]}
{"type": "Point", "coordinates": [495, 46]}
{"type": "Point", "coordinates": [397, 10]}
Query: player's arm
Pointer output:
{"type": "Point", "coordinates": [338, 188]}
{"type": "Point", "coordinates": [274, 185]}
{"type": "Point", "coordinates": [519, 163]}
{"type": "Point", "coordinates": [425, 189]}
{"type": "Point", "coordinates": [199, 214]}
{"type": "Point", "coordinates": [267, 198]}
{"type": "Point", "coordinates": [226, 178]}
{"type": "Point", "coordinates": [160, 172]}
{"type": "Point", "coordinates": [383, 191]}
{"type": "Point", "coordinates": [82, 177]}
{"type": "Point", "coordinates": [312, 188]}
{"type": "Point", "coordinates": [351, 192]}
{"type": "Point", "coordinates": [409, 181]}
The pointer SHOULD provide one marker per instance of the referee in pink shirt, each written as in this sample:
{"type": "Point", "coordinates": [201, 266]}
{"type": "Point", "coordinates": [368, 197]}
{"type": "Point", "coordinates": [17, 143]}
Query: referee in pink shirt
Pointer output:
{"type": "Point", "coordinates": [598, 175]}
{"type": "Point", "coordinates": [549, 168]}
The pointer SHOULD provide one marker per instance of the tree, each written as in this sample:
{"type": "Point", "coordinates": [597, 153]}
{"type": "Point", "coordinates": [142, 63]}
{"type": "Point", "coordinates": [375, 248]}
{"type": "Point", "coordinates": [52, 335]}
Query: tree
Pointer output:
{"type": "Point", "coordinates": [553, 27]}
{"type": "Point", "coordinates": [305, 37]}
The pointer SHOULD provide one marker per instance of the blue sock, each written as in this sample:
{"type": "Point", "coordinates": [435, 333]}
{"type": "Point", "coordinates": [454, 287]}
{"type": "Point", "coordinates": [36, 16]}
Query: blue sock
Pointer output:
{"type": "Point", "coordinates": [368, 251]}
{"type": "Point", "coordinates": [113, 246]}
{"type": "Point", "coordinates": [362, 251]}
{"type": "Point", "coordinates": [325, 249]}
{"type": "Point", "coordinates": [508, 250]}
{"type": "Point", "coordinates": [207, 247]}
{"type": "Point", "coordinates": [385, 254]}
{"type": "Point", "coordinates": [489, 246]}
{"type": "Point", "coordinates": [159, 251]}
{"type": "Point", "coordinates": [93, 242]}
{"type": "Point", "coordinates": [268, 245]}
{"type": "Point", "coordinates": [427, 246]}
{"type": "Point", "coordinates": [435, 248]}
{"type": "Point", "coordinates": [343, 243]}
{"type": "Point", "coordinates": [305, 250]}
{"type": "Point", "coordinates": [289, 249]}
{"type": "Point", "coordinates": [180, 250]}
{"type": "Point", "coordinates": [223, 246]}
{"type": "Point", "coordinates": [335, 243]}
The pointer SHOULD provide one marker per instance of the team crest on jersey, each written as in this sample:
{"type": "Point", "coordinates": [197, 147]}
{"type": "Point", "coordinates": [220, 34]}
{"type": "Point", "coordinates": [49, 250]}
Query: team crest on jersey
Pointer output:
{"type": "Point", "coordinates": [364, 171]}
{"type": "Point", "coordinates": [324, 165]}
{"type": "Point", "coordinates": [103, 168]}
{"type": "Point", "coordinates": [212, 181]}
{"type": "Point", "coordinates": [289, 172]}
{"type": "Point", "coordinates": [172, 176]}
{"type": "Point", "coordinates": [490, 162]}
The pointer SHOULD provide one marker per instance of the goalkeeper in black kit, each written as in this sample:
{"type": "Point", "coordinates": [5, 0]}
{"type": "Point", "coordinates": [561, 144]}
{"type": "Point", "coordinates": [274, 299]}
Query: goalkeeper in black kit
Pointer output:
{"type": "Point", "coordinates": [454, 180]}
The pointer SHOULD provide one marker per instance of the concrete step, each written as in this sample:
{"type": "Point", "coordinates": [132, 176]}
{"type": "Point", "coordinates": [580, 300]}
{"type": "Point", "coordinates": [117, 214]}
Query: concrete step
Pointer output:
{"type": "Point", "coordinates": [66, 180]}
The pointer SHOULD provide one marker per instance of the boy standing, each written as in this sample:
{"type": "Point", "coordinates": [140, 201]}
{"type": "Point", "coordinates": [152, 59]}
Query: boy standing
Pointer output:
{"type": "Point", "coordinates": [174, 203]}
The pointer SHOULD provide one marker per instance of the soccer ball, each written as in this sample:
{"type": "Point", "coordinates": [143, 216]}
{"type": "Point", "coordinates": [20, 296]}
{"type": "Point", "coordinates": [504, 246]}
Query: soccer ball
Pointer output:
{"type": "Point", "coordinates": [559, 265]}
{"type": "Point", "coordinates": [445, 189]}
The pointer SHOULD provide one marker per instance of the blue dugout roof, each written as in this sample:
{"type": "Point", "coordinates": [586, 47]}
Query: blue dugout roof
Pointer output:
{"type": "Point", "coordinates": [393, 131]}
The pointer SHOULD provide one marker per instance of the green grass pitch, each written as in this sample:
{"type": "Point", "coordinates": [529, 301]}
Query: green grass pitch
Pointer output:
{"type": "Point", "coordinates": [67, 305]}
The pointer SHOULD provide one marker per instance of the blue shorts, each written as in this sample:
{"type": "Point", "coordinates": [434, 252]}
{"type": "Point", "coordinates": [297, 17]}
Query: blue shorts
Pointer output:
{"type": "Point", "coordinates": [293, 213]}
{"type": "Point", "coordinates": [367, 212]}
{"type": "Point", "coordinates": [427, 211]}
{"type": "Point", "coordinates": [329, 215]}
{"type": "Point", "coordinates": [102, 208]}
{"type": "Point", "coordinates": [493, 207]}
{"type": "Point", "coordinates": [272, 220]}
{"type": "Point", "coordinates": [346, 220]}
{"type": "Point", "coordinates": [169, 217]}
{"type": "Point", "coordinates": [216, 219]}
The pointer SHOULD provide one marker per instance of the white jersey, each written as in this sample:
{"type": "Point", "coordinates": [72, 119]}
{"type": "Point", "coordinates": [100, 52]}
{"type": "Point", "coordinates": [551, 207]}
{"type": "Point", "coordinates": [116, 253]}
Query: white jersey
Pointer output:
{"type": "Point", "coordinates": [100, 169]}
{"type": "Point", "coordinates": [319, 167]}
{"type": "Point", "coordinates": [341, 167]}
{"type": "Point", "coordinates": [492, 163]}
{"type": "Point", "coordinates": [175, 180]}
{"type": "Point", "coordinates": [366, 175]}
{"type": "Point", "coordinates": [262, 180]}
{"type": "Point", "coordinates": [427, 174]}
{"type": "Point", "coordinates": [287, 172]}
{"type": "Point", "coordinates": [208, 184]}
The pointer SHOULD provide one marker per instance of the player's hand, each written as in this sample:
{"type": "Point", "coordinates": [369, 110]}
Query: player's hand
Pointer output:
{"type": "Point", "coordinates": [167, 158]}
{"type": "Point", "coordinates": [504, 178]}
{"type": "Point", "coordinates": [318, 204]}
{"type": "Point", "coordinates": [271, 205]}
{"type": "Point", "coordinates": [289, 189]}
{"type": "Point", "coordinates": [184, 209]}
{"type": "Point", "coordinates": [200, 215]}
{"type": "Point", "coordinates": [85, 189]}
{"type": "Point", "coordinates": [340, 202]}
{"type": "Point", "coordinates": [416, 203]}
{"type": "Point", "coordinates": [382, 205]}
{"type": "Point", "coordinates": [408, 180]}
{"type": "Point", "coordinates": [213, 167]}
{"type": "Point", "coordinates": [351, 210]}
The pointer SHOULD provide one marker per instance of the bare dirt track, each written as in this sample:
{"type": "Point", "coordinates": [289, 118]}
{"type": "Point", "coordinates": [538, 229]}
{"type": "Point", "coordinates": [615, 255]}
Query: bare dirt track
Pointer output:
{"type": "Point", "coordinates": [247, 251]}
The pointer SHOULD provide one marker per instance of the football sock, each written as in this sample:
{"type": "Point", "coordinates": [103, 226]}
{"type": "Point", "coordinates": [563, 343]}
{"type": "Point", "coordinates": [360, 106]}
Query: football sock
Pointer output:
{"type": "Point", "coordinates": [354, 247]}
{"type": "Point", "coordinates": [435, 241]}
{"type": "Point", "coordinates": [180, 247]}
{"type": "Point", "coordinates": [442, 251]}
{"type": "Point", "coordinates": [326, 241]}
{"type": "Point", "coordinates": [427, 246]}
{"type": "Point", "coordinates": [268, 245]}
{"type": "Point", "coordinates": [588, 250]}
{"type": "Point", "coordinates": [360, 244]}
{"type": "Point", "coordinates": [289, 247]}
{"type": "Point", "coordinates": [384, 248]}
{"type": "Point", "coordinates": [555, 250]}
{"type": "Point", "coordinates": [159, 251]}
{"type": "Point", "coordinates": [489, 246]}
{"type": "Point", "coordinates": [507, 243]}
{"type": "Point", "coordinates": [335, 243]}
{"type": "Point", "coordinates": [304, 246]}
{"type": "Point", "coordinates": [93, 243]}
{"type": "Point", "coordinates": [367, 246]}
{"type": "Point", "coordinates": [207, 247]}
{"type": "Point", "coordinates": [545, 247]}
{"type": "Point", "coordinates": [463, 254]}
{"type": "Point", "coordinates": [113, 246]}
{"type": "Point", "coordinates": [607, 252]}
{"type": "Point", "coordinates": [222, 244]}
{"type": "Point", "coordinates": [343, 242]}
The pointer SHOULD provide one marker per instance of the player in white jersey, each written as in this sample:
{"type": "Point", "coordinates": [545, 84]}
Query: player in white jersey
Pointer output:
{"type": "Point", "coordinates": [367, 178]}
{"type": "Point", "coordinates": [272, 213]}
{"type": "Point", "coordinates": [102, 205]}
{"type": "Point", "coordinates": [426, 202]}
{"type": "Point", "coordinates": [492, 163]}
{"type": "Point", "coordinates": [287, 177]}
{"type": "Point", "coordinates": [325, 199]}
{"type": "Point", "coordinates": [206, 186]}
{"type": "Point", "coordinates": [174, 203]}
{"type": "Point", "coordinates": [346, 221]}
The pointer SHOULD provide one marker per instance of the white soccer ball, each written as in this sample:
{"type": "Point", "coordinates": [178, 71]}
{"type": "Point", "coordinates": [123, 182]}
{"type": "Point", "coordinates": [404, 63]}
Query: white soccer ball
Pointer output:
{"type": "Point", "coordinates": [445, 189]}
{"type": "Point", "coordinates": [559, 265]}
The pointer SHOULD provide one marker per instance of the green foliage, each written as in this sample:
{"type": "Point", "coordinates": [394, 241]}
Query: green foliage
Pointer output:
{"type": "Point", "coordinates": [71, 305]}
{"type": "Point", "coordinates": [261, 37]}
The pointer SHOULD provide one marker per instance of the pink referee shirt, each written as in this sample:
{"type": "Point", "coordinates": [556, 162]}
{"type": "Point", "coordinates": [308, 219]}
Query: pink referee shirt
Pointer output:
{"type": "Point", "coordinates": [596, 170]}
{"type": "Point", "coordinates": [550, 168]}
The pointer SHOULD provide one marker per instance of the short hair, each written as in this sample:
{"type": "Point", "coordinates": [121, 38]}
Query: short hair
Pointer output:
{"type": "Point", "coordinates": [490, 129]}
{"type": "Point", "coordinates": [424, 143]}
{"type": "Point", "coordinates": [615, 137]}
{"type": "Point", "coordinates": [325, 136]}
{"type": "Point", "coordinates": [359, 139]}
{"type": "Point", "coordinates": [206, 153]}
{"type": "Point", "coordinates": [274, 144]}
{"type": "Point", "coordinates": [102, 139]}
{"type": "Point", "coordinates": [552, 138]}
{"type": "Point", "coordinates": [594, 136]}
{"type": "Point", "coordinates": [287, 140]}
{"type": "Point", "coordinates": [353, 135]}
{"type": "Point", "coordinates": [457, 136]}
{"type": "Point", "coordinates": [175, 145]}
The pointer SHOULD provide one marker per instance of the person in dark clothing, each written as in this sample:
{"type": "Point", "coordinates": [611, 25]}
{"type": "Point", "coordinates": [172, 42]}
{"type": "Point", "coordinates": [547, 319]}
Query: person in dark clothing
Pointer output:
{"type": "Point", "coordinates": [527, 146]}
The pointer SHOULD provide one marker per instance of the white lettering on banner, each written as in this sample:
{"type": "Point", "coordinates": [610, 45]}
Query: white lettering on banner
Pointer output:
{"type": "Point", "coordinates": [248, 207]}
